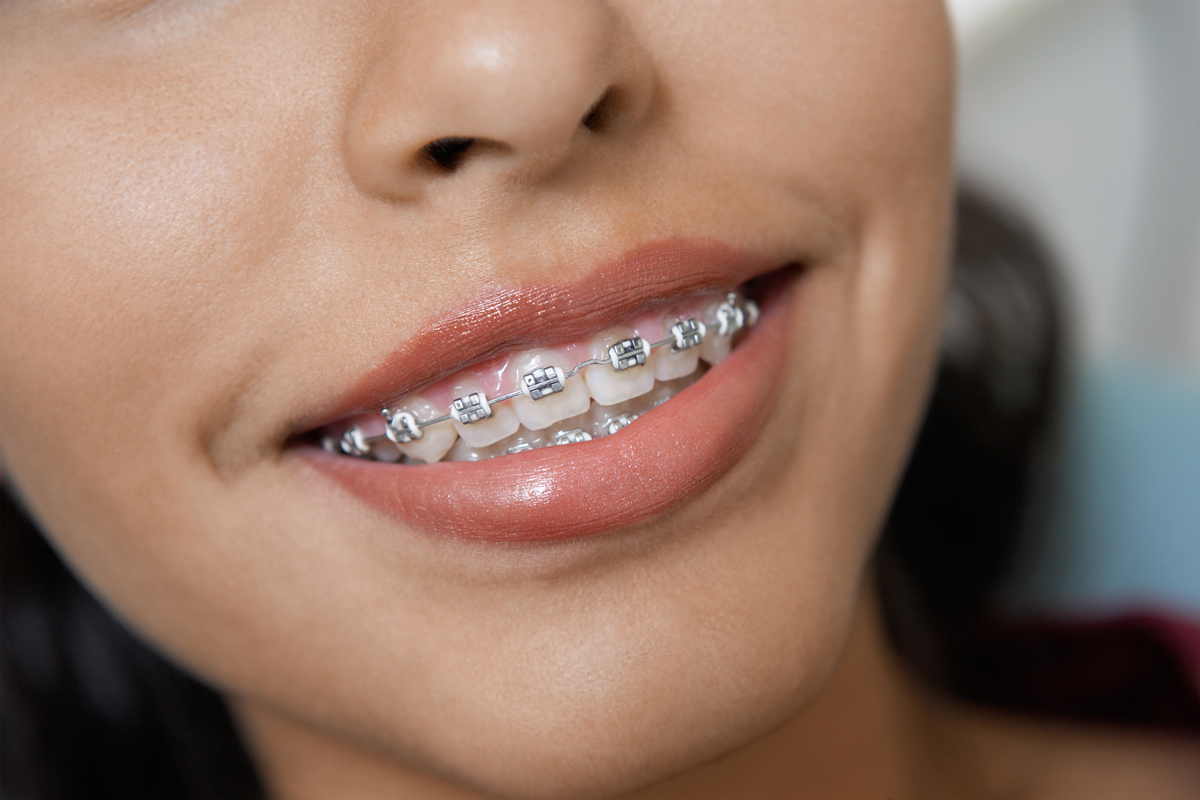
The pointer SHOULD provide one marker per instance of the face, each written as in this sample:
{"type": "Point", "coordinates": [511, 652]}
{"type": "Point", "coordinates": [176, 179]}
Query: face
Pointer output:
{"type": "Point", "coordinates": [231, 228]}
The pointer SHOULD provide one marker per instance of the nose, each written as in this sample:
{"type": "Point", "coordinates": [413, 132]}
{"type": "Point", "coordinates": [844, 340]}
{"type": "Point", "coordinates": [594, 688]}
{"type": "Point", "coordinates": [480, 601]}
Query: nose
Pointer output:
{"type": "Point", "coordinates": [503, 87]}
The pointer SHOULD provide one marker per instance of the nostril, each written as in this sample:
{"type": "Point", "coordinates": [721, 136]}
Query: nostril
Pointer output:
{"type": "Point", "coordinates": [447, 153]}
{"type": "Point", "coordinates": [599, 115]}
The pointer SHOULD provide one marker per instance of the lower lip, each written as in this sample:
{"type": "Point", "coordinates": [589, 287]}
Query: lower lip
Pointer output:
{"type": "Point", "coordinates": [561, 493]}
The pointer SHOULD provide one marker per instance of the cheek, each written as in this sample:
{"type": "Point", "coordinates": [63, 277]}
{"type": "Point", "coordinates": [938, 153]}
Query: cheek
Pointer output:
{"type": "Point", "coordinates": [137, 245]}
{"type": "Point", "coordinates": [135, 221]}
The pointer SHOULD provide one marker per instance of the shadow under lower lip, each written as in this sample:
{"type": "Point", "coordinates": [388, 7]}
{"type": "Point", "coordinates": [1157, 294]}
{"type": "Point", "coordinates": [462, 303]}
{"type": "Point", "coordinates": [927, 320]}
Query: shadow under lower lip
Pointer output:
{"type": "Point", "coordinates": [560, 493]}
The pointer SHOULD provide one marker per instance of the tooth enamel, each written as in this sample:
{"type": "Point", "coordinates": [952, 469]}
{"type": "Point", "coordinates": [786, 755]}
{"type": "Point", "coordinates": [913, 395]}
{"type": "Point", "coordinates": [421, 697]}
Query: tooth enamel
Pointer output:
{"type": "Point", "coordinates": [730, 316]}
{"type": "Point", "coordinates": [585, 422]}
{"type": "Point", "coordinates": [608, 386]}
{"type": "Point", "coordinates": [435, 441]}
{"type": "Point", "coordinates": [669, 365]}
{"type": "Point", "coordinates": [715, 347]}
{"type": "Point", "coordinates": [502, 424]}
{"type": "Point", "coordinates": [353, 442]}
{"type": "Point", "coordinates": [385, 451]}
{"type": "Point", "coordinates": [471, 409]}
{"type": "Point", "coordinates": [465, 452]}
{"type": "Point", "coordinates": [629, 354]}
{"type": "Point", "coordinates": [687, 333]}
{"type": "Point", "coordinates": [549, 408]}
{"type": "Point", "coordinates": [752, 311]}
{"type": "Point", "coordinates": [719, 340]}
{"type": "Point", "coordinates": [402, 426]}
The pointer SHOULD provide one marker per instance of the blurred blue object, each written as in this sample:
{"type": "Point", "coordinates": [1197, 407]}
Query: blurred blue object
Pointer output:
{"type": "Point", "coordinates": [1123, 525]}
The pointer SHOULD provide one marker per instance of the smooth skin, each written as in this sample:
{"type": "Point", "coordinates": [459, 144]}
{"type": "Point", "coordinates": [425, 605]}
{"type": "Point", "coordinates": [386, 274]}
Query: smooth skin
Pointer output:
{"type": "Point", "coordinates": [214, 218]}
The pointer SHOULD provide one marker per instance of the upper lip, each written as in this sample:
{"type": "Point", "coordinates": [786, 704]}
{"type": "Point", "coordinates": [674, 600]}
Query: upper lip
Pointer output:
{"type": "Point", "coordinates": [501, 318]}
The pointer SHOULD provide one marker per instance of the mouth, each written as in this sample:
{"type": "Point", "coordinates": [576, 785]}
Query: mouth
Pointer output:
{"type": "Point", "coordinates": [521, 429]}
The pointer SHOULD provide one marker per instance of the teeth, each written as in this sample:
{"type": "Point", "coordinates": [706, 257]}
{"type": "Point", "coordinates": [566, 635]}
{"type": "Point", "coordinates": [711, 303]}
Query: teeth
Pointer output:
{"type": "Point", "coordinates": [435, 441]}
{"type": "Point", "coordinates": [608, 386]}
{"type": "Point", "coordinates": [618, 422]}
{"type": "Point", "coordinates": [500, 425]}
{"type": "Point", "coordinates": [573, 436]}
{"type": "Point", "coordinates": [523, 440]}
{"type": "Point", "coordinates": [550, 408]}
{"type": "Point", "coordinates": [465, 452]}
{"type": "Point", "coordinates": [386, 451]}
{"type": "Point", "coordinates": [582, 423]}
{"type": "Point", "coordinates": [670, 363]}
{"type": "Point", "coordinates": [715, 347]}
{"type": "Point", "coordinates": [627, 374]}
{"type": "Point", "coordinates": [730, 318]}
{"type": "Point", "coordinates": [604, 417]}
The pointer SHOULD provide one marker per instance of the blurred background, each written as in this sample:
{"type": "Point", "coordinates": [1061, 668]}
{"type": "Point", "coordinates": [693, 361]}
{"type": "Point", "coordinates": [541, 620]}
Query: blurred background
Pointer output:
{"type": "Point", "coordinates": [1084, 117]}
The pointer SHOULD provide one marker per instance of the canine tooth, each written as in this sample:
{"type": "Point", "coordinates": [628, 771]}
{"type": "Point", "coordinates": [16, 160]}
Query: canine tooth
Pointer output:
{"type": "Point", "coordinates": [669, 364]}
{"type": "Point", "coordinates": [715, 347]}
{"type": "Point", "coordinates": [552, 407]}
{"type": "Point", "coordinates": [629, 353]}
{"type": "Point", "coordinates": [608, 386]}
{"type": "Point", "coordinates": [438, 439]}
{"type": "Point", "coordinates": [435, 441]}
{"type": "Point", "coordinates": [502, 424]}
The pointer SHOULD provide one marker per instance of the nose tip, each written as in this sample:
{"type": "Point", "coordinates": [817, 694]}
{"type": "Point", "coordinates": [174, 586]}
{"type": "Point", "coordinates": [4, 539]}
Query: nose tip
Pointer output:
{"type": "Point", "coordinates": [513, 82]}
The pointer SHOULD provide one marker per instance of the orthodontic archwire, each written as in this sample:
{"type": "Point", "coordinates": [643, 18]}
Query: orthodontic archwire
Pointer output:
{"type": "Point", "coordinates": [402, 427]}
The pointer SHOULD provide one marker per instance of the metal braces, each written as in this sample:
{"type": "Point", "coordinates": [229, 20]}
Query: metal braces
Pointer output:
{"type": "Point", "coordinates": [403, 427]}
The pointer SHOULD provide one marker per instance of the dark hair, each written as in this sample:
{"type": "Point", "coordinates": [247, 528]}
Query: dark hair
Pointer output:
{"type": "Point", "coordinates": [953, 526]}
{"type": "Point", "coordinates": [86, 709]}
{"type": "Point", "coordinates": [985, 455]}
{"type": "Point", "coordinates": [90, 711]}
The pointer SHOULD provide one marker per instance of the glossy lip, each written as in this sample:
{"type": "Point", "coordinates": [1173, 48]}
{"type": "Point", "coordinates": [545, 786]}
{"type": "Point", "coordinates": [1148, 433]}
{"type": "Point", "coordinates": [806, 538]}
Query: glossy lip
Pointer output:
{"type": "Point", "coordinates": [564, 493]}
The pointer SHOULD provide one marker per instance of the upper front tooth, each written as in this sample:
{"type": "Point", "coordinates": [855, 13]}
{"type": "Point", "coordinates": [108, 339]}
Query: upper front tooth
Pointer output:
{"type": "Point", "coordinates": [478, 422]}
{"type": "Point", "coordinates": [629, 353]}
{"type": "Point", "coordinates": [471, 408]}
{"type": "Point", "coordinates": [608, 385]}
{"type": "Point", "coordinates": [541, 406]}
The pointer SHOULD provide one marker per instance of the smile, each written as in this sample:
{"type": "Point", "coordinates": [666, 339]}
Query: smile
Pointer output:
{"type": "Point", "coordinates": [659, 390]}
{"type": "Point", "coordinates": [624, 374]}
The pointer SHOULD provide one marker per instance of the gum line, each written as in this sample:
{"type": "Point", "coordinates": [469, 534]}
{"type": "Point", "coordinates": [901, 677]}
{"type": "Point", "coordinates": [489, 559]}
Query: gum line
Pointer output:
{"type": "Point", "coordinates": [621, 376]}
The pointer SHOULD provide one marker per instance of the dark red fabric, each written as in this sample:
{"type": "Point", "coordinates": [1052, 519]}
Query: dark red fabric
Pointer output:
{"type": "Point", "coordinates": [1139, 669]}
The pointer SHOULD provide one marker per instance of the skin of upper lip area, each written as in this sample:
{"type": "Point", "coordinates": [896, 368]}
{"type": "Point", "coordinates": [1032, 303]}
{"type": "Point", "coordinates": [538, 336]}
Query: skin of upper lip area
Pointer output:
{"type": "Point", "coordinates": [562, 493]}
